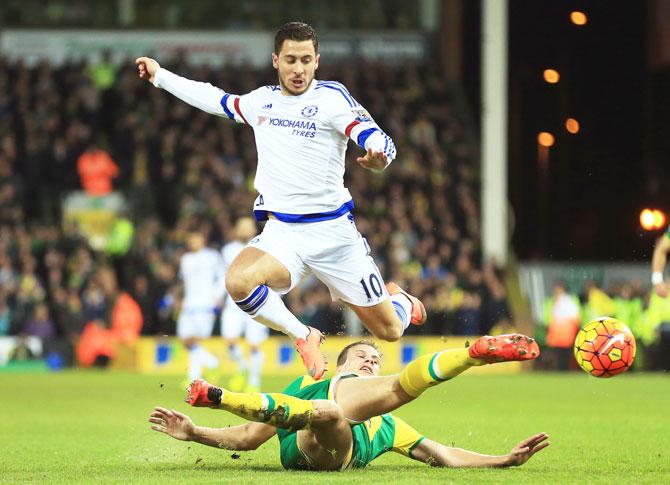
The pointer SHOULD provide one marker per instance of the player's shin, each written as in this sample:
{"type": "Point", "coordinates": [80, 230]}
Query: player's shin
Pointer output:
{"type": "Point", "coordinates": [266, 307]}
{"type": "Point", "coordinates": [277, 409]}
{"type": "Point", "coordinates": [429, 370]}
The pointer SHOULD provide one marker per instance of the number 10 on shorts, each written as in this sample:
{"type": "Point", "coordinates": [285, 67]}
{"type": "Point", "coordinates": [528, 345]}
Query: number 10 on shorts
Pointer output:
{"type": "Point", "coordinates": [372, 284]}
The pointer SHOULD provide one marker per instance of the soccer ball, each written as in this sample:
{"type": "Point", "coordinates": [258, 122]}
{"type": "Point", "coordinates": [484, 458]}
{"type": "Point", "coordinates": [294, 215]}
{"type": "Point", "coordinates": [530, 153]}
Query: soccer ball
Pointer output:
{"type": "Point", "coordinates": [605, 347]}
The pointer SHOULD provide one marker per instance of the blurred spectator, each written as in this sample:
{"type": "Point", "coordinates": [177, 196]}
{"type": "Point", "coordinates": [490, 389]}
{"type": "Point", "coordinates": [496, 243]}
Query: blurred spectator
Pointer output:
{"type": "Point", "coordinates": [40, 324]}
{"type": "Point", "coordinates": [121, 323]}
{"type": "Point", "coordinates": [121, 237]}
{"type": "Point", "coordinates": [93, 301]}
{"type": "Point", "coordinates": [597, 302]}
{"type": "Point", "coordinates": [68, 312]}
{"type": "Point", "coordinates": [21, 352]}
{"type": "Point", "coordinates": [469, 315]}
{"type": "Point", "coordinates": [5, 314]}
{"type": "Point", "coordinates": [649, 329]}
{"type": "Point", "coordinates": [146, 299]}
{"type": "Point", "coordinates": [96, 170]}
{"type": "Point", "coordinates": [103, 73]}
{"type": "Point", "coordinates": [11, 189]}
{"type": "Point", "coordinates": [562, 319]}
{"type": "Point", "coordinates": [628, 307]}
{"type": "Point", "coordinates": [125, 318]}
{"type": "Point", "coordinates": [497, 313]}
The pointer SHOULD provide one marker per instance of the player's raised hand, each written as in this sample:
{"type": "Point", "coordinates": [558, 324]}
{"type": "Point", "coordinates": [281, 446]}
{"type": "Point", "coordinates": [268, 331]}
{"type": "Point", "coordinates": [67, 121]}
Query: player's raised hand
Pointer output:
{"type": "Point", "coordinates": [375, 161]}
{"type": "Point", "coordinates": [147, 68]}
{"type": "Point", "coordinates": [172, 423]}
{"type": "Point", "coordinates": [522, 452]}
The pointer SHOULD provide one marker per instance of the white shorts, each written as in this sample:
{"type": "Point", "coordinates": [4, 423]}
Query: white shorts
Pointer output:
{"type": "Point", "coordinates": [195, 323]}
{"type": "Point", "coordinates": [235, 323]}
{"type": "Point", "coordinates": [334, 251]}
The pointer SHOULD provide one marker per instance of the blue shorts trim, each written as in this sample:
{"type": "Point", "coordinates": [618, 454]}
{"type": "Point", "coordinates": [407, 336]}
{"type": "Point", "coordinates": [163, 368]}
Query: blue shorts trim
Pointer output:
{"type": "Point", "coordinates": [299, 218]}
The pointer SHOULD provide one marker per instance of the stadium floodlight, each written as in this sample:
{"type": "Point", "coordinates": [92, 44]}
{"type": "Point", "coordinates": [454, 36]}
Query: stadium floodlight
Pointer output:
{"type": "Point", "coordinates": [552, 76]}
{"type": "Point", "coordinates": [572, 126]}
{"type": "Point", "coordinates": [545, 139]}
{"type": "Point", "coordinates": [652, 219]}
{"type": "Point", "coordinates": [578, 18]}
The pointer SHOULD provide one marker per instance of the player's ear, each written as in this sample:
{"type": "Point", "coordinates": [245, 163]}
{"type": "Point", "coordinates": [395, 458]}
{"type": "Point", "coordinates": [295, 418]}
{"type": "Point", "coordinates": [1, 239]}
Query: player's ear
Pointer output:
{"type": "Point", "coordinates": [316, 62]}
{"type": "Point", "coordinates": [275, 61]}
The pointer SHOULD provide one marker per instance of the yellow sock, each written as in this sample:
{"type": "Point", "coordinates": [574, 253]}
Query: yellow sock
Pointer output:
{"type": "Point", "coordinates": [279, 410]}
{"type": "Point", "coordinates": [429, 370]}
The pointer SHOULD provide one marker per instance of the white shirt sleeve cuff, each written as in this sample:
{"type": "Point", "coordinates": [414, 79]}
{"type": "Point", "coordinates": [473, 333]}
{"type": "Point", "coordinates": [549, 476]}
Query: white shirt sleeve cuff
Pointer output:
{"type": "Point", "coordinates": [158, 76]}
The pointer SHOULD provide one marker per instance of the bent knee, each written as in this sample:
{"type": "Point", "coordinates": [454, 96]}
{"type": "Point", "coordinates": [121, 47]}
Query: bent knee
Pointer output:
{"type": "Point", "coordinates": [238, 285]}
{"type": "Point", "coordinates": [382, 322]}
{"type": "Point", "coordinates": [327, 412]}
{"type": "Point", "coordinates": [390, 333]}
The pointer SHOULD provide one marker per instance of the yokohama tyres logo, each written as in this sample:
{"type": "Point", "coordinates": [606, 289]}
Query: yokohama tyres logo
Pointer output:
{"type": "Point", "coordinates": [295, 124]}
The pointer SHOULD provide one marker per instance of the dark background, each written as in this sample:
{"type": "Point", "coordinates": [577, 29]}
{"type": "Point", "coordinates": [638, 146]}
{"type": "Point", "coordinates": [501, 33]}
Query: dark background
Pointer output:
{"type": "Point", "coordinates": [598, 180]}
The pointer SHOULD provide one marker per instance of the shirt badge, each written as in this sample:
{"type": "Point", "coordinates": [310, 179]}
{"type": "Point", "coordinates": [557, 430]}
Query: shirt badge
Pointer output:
{"type": "Point", "coordinates": [309, 111]}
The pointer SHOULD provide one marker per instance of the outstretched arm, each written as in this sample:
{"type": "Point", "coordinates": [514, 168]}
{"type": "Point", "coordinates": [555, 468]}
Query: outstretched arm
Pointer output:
{"type": "Point", "coordinates": [437, 454]}
{"type": "Point", "coordinates": [200, 95]}
{"type": "Point", "coordinates": [244, 437]}
{"type": "Point", "coordinates": [658, 261]}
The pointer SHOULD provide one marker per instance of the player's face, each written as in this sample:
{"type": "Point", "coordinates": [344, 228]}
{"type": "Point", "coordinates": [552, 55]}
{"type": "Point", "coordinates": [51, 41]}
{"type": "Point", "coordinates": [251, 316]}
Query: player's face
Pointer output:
{"type": "Point", "coordinates": [195, 242]}
{"type": "Point", "coordinates": [363, 360]}
{"type": "Point", "coordinates": [245, 229]}
{"type": "Point", "coordinates": [296, 63]}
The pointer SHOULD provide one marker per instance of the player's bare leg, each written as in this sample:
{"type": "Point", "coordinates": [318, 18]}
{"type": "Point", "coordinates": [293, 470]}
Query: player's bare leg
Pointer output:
{"type": "Point", "coordinates": [253, 267]}
{"type": "Point", "coordinates": [364, 397]}
{"type": "Point", "coordinates": [380, 319]}
{"type": "Point", "coordinates": [389, 319]}
{"type": "Point", "coordinates": [250, 281]}
{"type": "Point", "coordinates": [328, 442]}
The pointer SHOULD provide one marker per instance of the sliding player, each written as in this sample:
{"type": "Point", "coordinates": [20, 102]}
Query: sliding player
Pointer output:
{"type": "Point", "coordinates": [343, 422]}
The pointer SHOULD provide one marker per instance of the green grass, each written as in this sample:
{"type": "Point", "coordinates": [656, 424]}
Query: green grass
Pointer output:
{"type": "Point", "coordinates": [90, 427]}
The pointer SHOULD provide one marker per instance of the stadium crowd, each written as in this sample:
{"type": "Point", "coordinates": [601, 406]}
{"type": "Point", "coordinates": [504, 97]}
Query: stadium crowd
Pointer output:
{"type": "Point", "coordinates": [565, 311]}
{"type": "Point", "coordinates": [179, 168]}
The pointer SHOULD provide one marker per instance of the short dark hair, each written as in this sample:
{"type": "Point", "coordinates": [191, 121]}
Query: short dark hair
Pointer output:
{"type": "Point", "coordinates": [295, 31]}
{"type": "Point", "coordinates": [344, 353]}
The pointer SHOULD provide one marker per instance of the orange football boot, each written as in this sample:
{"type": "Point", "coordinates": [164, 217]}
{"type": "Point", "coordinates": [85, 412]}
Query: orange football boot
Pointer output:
{"type": "Point", "coordinates": [503, 348]}
{"type": "Point", "coordinates": [202, 394]}
{"type": "Point", "coordinates": [308, 348]}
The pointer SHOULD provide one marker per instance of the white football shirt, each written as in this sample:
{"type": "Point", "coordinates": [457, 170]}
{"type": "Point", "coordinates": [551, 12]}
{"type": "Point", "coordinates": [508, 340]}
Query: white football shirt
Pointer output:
{"type": "Point", "coordinates": [204, 279]}
{"type": "Point", "coordinates": [301, 141]}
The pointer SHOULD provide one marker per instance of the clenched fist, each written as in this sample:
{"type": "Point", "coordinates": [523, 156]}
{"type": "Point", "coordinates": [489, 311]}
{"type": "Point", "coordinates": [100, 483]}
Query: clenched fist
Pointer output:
{"type": "Point", "coordinates": [147, 68]}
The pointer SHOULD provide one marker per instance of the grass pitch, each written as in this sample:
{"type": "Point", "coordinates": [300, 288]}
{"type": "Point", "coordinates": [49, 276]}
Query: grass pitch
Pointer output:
{"type": "Point", "coordinates": [91, 427]}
